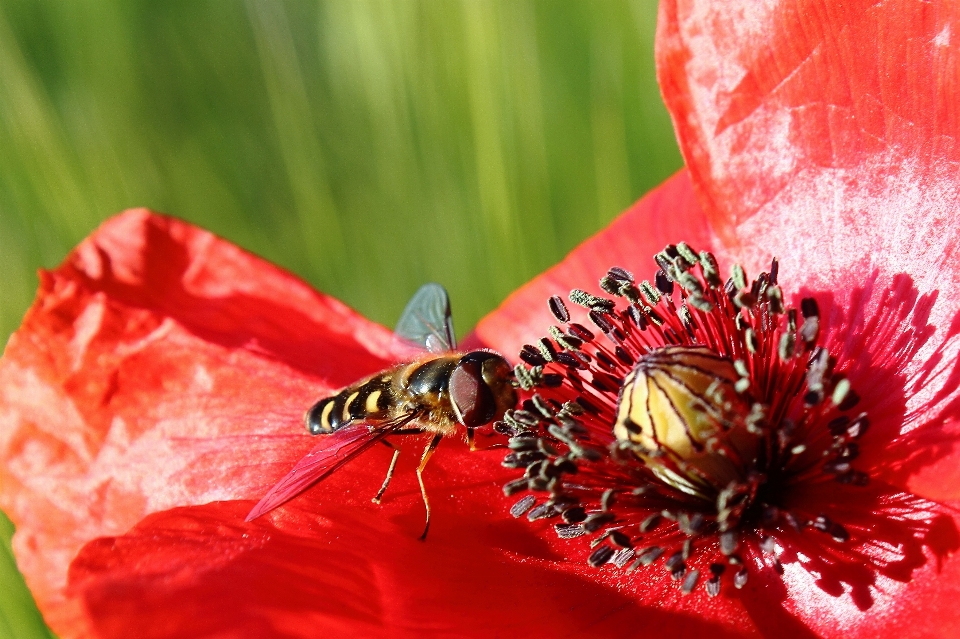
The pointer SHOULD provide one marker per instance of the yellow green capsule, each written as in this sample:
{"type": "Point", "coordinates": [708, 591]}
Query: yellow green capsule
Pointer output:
{"type": "Point", "coordinates": [680, 409]}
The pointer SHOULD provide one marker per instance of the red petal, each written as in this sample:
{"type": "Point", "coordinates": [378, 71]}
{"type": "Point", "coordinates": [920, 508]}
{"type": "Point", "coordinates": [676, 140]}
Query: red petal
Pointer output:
{"type": "Point", "coordinates": [160, 366]}
{"type": "Point", "coordinates": [357, 570]}
{"type": "Point", "coordinates": [768, 94]}
{"type": "Point", "coordinates": [667, 215]}
{"type": "Point", "coordinates": [827, 134]}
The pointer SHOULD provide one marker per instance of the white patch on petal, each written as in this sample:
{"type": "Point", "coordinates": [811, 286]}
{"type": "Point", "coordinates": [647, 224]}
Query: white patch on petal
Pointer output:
{"type": "Point", "coordinates": [202, 380]}
{"type": "Point", "coordinates": [891, 215]}
{"type": "Point", "coordinates": [85, 328]}
{"type": "Point", "coordinates": [942, 39]}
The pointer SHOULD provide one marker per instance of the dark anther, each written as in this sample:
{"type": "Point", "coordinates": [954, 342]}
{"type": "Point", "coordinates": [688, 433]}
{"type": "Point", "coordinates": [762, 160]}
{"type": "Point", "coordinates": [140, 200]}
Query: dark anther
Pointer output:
{"type": "Point", "coordinates": [610, 285]}
{"type": "Point", "coordinates": [687, 253]}
{"type": "Point", "coordinates": [717, 569]}
{"type": "Point", "coordinates": [546, 349]}
{"type": "Point", "coordinates": [650, 292]}
{"type": "Point", "coordinates": [607, 499]}
{"type": "Point", "coordinates": [596, 521]}
{"type": "Point", "coordinates": [851, 400]}
{"type": "Point", "coordinates": [600, 304]}
{"type": "Point", "coordinates": [515, 486]}
{"type": "Point", "coordinates": [601, 321]}
{"type": "Point", "coordinates": [569, 360]}
{"type": "Point", "coordinates": [624, 356]}
{"type": "Point", "coordinates": [774, 270]}
{"type": "Point", "coordinates": [542, 407]}
{"type": "Point", "coordinates": [525, 417]}
{"type": "Point", "coordinates": [663, 282]}
{"type": "Point", "coordinates": [619, 539]}
{"type": "Point", "coordinates": [713, 586]}
{"type": "Point", "coordinates": [670, 250]}
{"type": "Point", "coordinates": [622, 557]}
{"type": "Point", "coordinates": [636, 317]}
{"type": "Point", "coordinates": [691, 525]}
{"type": "Point", "coordinates": [580, 332]}
{"type": "Point", "coordinates": [533, 470]}
{"type": "Point", "coordinates": [650, 523]}
{"type": "Point", "coordinates": [600, 556]}
{"type": "Point", "coordinates": [522, 506]}
{"type": "Point", "coordinates": [522, 443]}
{"type": "Point", "coordinates": [574, 515]}
{"type": "Point", "coordinates": [822, 523]}
{"type": "Point", "coordinates": [690, 582]}
{"type": "Point", "coordinates": [711, 272]}
{"type": "Point", "coordinates": [531, 355]}
{"type": "Point", "coordinates": [559, 309]}
{"type": "Point", "coordinates": [552, 380]}
{"type": "Point", "coordinates": [674, 561]}
{"type": "Point", "coordinates": [740, 579]}
{"type": "Point", "coordinates": [838, 426]}
{"type": "Point", "coordinates": [621, 274]}
{"type": "Point", "coordinates": [858, 426]}
{"type": "Point", "coordinates": [810, 329]}
{"type": "Point", "coordinates": [839, 533]}
{"type": "Point", "coordinates": [809, 308]}
{"type": "Point", "coordinates": [503, 428]}
{"type": "Point", "coordinates": [665, 266]}
{"type": "Point", "coordinates": [605, 361]}
{"type": "Point", "coordinates": [521, 460]}
{"type": "Point", "coordinates": [730, 288]}
{"type": "Point", "coordinates": [569, 531]}
{"type": "Point", "coordinates": [649, 555]}
{"type": "Point", "coordinates": [837, 467]}
{"type": "Point", "coordinates": [729, 542]}
{"type": "Point", "coordinates": [542, 511]}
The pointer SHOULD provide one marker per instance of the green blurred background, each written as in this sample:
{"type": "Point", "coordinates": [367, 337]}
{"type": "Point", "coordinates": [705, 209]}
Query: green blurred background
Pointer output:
{"type": "Point", "coordinates": [367, 146]}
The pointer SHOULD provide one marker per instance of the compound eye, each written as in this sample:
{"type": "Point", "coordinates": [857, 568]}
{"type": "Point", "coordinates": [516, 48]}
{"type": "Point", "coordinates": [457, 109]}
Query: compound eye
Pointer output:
{"type": "Point", "coordinates": [472, 399]}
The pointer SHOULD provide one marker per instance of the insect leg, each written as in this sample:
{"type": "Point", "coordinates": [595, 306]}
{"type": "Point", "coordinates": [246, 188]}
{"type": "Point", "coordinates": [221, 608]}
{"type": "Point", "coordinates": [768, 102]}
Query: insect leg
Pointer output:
{"type": "Point", "coordinates": [427, 452]}
{"type": "Point", "coordinates": [472, 441]}
{"type": "Point", "coordinates": [386, 480]}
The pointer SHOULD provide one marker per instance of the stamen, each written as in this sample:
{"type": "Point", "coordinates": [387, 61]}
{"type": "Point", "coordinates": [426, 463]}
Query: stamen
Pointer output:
{"type": "Point", "coordinates": [673, 431]}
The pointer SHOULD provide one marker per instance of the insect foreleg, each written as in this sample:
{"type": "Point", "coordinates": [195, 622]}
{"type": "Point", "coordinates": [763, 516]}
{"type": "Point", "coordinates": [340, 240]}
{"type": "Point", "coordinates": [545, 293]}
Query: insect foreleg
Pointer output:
{"type": "Point", "coordinates": [427, 452]}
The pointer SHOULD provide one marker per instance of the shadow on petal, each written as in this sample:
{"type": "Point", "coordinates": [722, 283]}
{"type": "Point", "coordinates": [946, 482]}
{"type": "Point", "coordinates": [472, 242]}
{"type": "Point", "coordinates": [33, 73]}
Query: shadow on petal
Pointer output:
{"type": "Point", "coordinates": [879, 336]}
{"type": "Point", "coordinates": [199, 572]}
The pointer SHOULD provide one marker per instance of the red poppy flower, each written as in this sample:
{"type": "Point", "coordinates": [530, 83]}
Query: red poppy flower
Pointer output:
{"type": "Point", "coordinates": [155, 389]}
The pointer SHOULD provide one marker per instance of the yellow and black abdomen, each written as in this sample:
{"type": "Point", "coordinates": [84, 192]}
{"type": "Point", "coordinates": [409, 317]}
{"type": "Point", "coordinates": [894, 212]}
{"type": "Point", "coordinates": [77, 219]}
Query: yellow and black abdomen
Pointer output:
{"type": "Point", "coordinates": [371, 399]}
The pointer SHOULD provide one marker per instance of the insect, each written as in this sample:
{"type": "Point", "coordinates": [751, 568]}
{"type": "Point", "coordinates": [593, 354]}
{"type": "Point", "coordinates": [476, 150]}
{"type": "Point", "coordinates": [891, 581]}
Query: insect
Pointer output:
{"type": "Point", "coordinates": [437, 392]}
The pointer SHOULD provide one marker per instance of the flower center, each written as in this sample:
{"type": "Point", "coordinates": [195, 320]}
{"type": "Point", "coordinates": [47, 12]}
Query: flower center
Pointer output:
{"type": "Point", "coordinates": [681, 432]}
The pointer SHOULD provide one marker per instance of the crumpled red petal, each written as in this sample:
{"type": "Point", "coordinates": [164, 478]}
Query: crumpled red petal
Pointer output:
{"type": "Point", "coordinates": [159, 366]}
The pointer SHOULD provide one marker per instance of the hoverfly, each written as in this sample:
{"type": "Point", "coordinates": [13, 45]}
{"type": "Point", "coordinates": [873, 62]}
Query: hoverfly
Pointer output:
{"type": "Point", "coordinates": [434, 393]}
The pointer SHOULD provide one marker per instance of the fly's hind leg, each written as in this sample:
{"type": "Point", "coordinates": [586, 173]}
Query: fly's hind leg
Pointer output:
{"type": "Point", "coordinates": [427, 452]}
{"type": "Point", "coordinates": [386, 480]}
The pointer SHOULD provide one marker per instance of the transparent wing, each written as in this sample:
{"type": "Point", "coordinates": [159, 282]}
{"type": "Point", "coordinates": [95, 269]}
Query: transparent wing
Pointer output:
{"type": "Point", "coordinates": [426, 320]}
{"type": "Point", "coordinates": [334, 451]}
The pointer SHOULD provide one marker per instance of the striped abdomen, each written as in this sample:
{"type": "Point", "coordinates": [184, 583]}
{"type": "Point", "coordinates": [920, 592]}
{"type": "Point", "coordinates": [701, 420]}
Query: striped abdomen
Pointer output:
{"type": "Point", "coordinates": [419, 387]}
{"type": "Point", "coordinates": [371, 399]}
